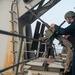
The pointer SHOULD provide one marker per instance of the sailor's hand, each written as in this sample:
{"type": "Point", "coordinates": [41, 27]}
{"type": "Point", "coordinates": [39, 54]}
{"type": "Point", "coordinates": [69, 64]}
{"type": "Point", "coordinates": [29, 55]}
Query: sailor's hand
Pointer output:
{"type": "Point", "coordinates": [52, 27]}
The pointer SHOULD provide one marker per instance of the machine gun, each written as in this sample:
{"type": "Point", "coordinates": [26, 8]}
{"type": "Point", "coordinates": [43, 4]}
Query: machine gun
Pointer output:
{"type": "Point", "coordinates": [63, 41]}
{"type": "Point", "coordinates": [47, 25]}
{"type": "Point", "coordinates": [49, 32]}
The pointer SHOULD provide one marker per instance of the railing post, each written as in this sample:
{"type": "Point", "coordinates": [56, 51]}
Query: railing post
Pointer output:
{"type": "Point", "coordinates": [18, 56]}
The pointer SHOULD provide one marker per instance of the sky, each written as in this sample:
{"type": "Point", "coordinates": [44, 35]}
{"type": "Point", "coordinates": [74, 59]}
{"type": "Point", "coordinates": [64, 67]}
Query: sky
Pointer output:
{"type": "Point", "coordinates": [56, 14]}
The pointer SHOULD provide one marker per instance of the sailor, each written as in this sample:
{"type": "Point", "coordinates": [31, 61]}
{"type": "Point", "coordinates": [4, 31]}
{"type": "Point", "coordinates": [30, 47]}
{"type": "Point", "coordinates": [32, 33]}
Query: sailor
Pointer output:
{"type": "Point", "coordinates": [69, 30]}
{"type": "Point", "coordinates": [69, 57]}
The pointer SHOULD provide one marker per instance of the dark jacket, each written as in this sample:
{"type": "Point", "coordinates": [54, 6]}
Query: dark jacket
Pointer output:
{"type": "Point", "coordinates": [65, 31]}
{"type": "Point", "coordinates": [70, 30]}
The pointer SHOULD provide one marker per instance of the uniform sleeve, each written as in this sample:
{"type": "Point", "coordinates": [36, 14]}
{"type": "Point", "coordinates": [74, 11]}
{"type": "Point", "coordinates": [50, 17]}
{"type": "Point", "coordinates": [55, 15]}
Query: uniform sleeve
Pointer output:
{"type": "Point", "coordinates": [65, 31]}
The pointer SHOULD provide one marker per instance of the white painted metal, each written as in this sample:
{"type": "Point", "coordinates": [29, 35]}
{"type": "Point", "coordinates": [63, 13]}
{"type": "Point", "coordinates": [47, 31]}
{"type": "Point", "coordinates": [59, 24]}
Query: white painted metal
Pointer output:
{"type": "Point", "coordinates": [39, 62]}
{"type": "Point", "coordinates": [33, 72]}
{"type": "Point", "coordinates": [37, 67]}
{"type": "Point", "coordinates": [5, 17]}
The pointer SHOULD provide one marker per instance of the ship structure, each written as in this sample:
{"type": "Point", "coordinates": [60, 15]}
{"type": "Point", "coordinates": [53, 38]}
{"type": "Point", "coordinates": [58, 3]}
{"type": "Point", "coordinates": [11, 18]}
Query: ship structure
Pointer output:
{"type": "Point", "coordinates": [22, 53]}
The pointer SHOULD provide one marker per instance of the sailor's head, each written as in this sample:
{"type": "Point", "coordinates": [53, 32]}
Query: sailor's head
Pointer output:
{"type": "Point", "coordinates": [70, 16]}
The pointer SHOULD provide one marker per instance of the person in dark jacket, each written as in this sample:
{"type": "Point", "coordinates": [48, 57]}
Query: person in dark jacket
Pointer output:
{"type": "Point", "coordinates": [70, 30]}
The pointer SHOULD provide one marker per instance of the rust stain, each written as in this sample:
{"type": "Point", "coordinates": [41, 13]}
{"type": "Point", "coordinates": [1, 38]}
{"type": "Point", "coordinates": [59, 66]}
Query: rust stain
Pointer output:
{"type": "Point", "coordinates": [9, 57]}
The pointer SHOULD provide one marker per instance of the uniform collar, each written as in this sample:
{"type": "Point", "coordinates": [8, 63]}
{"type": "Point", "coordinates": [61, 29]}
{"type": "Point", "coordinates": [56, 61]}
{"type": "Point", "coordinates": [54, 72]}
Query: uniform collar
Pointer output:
{"type": "Point", "coordinates": [73, 22]}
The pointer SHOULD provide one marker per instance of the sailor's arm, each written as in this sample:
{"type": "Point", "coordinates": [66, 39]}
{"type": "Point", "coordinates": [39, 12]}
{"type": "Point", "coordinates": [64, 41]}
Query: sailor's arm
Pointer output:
{"type": "Point", "coordinates": [63, 31]}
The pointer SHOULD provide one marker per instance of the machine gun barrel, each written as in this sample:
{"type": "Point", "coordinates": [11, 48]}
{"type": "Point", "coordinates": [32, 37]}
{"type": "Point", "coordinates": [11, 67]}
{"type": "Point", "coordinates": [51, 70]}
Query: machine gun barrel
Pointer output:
{"type": "Point", "coordinates": [62, 23]}
{"type": "Point", "coordinates": [47, 25]}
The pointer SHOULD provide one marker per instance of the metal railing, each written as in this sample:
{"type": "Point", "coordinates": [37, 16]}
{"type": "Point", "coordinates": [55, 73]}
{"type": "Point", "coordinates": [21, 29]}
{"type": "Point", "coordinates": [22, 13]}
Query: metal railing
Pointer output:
{"type": "Point", "coordinates": [5, 69]}
{"type": "Point", "coordinates": [20, 46]}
